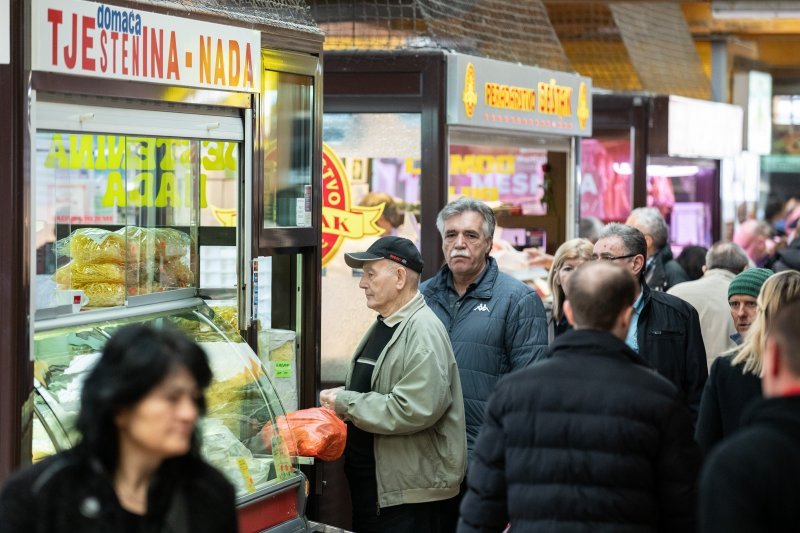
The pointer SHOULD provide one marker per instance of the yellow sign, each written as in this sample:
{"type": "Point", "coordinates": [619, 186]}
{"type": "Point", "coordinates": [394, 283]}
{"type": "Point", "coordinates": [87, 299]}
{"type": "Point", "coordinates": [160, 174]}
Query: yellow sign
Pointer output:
{"type": "Point", "coordinates": [470, 96]}
{"type": "Point", "coordinates": [583, 106]}
{"type": "Point", "coordinates": [555, 99]}
{"type": "Point", "coordinates": [508, 97]}
{"type": "Point", "coordinates": [340, 220]}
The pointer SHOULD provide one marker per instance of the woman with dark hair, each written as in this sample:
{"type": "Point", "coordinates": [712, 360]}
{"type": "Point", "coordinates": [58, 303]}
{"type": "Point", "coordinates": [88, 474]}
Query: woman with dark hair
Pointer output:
{"type": "Point", "coordinates": [692, 259]}
{"type": "Point", "coordinates": [137, 466]}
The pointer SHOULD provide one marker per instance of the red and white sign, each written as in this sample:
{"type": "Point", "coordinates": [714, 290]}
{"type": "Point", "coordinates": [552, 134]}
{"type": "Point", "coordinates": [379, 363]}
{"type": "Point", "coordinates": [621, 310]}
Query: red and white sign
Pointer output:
{"type": "Point", "coordinates": [91, 39]}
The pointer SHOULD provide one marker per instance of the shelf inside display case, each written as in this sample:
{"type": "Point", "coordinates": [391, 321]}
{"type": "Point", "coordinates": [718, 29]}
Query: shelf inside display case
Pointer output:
{"type": "Point", "coordinates": [241, 400]}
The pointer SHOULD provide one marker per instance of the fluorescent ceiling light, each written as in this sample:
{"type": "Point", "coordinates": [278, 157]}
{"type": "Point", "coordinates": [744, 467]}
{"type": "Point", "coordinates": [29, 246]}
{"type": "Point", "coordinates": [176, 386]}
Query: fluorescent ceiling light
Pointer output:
{"type": "Point", "coordinates": [672, 171]}
{"type": "Point", "coordinates": [755, 10]}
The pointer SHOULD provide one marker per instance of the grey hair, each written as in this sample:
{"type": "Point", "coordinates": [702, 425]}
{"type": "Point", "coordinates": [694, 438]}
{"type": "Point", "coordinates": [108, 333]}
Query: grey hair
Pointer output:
{"type": "Point", "coordinates": [632, 239]}
{"type": "Point", "coordinates": [727, 255]}
{"type": "Point", "coordinates": [653, 224]}
{"type": "Point", "coordinates": [463, 205]}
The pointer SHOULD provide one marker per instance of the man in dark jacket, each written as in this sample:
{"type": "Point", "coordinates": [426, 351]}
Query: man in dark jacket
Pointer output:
{"type": "Point", "coordinates": [661, 271]}
{"type": "Point", "coordinates": [664, 329]}
{"type": "Point", "coordinates": [751, 482]}
{"type": "Point", "coordinates": [496, 323]}
{"type": "Point", "coordinates": [591, 439]}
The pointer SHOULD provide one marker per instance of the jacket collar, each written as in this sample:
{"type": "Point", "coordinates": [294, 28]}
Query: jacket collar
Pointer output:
{"type": "Point", "coordinates": [485, 282]}
{"type": "Point", "coordinates": [595, 343]}
{"type": "Point", "coordinates": [646, 294]}
{"type": "Point", "coordinates": [719, 273]}
{"type": "Point", "coordinates": [411, 307]}
{"type": "Point", "coordinates": [783, 412]}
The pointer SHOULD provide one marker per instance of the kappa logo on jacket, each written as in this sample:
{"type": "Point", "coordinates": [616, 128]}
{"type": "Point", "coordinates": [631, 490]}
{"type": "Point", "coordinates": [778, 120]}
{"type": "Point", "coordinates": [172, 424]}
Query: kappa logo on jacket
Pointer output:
{"type": "Point", "coordinates": [481, 307]}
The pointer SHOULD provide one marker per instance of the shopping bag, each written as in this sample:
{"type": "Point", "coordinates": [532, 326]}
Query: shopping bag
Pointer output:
{"type": "Point", "coordinates": [317, 433]}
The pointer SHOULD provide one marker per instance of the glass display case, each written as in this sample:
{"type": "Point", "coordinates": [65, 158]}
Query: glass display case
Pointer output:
{"type": "Point", "coordinates": [241, 401]}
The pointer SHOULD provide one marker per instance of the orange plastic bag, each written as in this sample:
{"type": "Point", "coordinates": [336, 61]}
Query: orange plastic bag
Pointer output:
{"type": "Point", "coordinates": [317, 432]}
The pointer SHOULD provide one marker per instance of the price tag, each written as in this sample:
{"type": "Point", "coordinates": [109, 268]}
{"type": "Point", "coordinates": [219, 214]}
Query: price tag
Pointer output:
{"type": "Point", "coordinates": [280, 458]}
{"type": "Point", "coordinates": [245, 470]}
{"type": "Point", "coordinates": [283, 369]}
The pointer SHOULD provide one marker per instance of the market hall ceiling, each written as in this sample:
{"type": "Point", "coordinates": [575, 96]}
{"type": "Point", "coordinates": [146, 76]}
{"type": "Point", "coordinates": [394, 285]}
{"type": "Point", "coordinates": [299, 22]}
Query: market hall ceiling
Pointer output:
{"type": "Point", "coordinates": [662, 47]}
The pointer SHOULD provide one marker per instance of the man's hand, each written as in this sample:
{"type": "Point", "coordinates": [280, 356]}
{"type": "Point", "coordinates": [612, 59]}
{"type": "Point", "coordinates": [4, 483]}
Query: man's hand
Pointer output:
{"type": "Point", "coordinates": [327, 398]}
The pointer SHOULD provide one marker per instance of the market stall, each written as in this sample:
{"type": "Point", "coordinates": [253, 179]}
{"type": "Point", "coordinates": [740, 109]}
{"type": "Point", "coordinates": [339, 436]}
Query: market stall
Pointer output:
{"type": "Point", "coordinates": [173, 169]}
{"type": "Point", "coordinates": [668, 152]}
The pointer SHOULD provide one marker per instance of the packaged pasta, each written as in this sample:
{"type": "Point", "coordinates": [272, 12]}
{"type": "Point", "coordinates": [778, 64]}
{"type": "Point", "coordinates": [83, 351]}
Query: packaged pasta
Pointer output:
{"type": "Point", "coordinates": [93, 245]}
{"type": "Point", "coordinates": [171, 243]}
{"type": "Point", "coordinates": [76, 274]}
{"type": "Point", "coordinates": [176, 273]}
{"type": "Point", "coordinates": [104, 294]}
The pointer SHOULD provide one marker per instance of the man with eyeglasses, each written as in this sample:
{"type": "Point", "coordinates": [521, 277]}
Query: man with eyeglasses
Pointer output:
{"type": "Point", "coordinates": [742, 294]}
{"type": "Point", "coordinates": [664, 329]}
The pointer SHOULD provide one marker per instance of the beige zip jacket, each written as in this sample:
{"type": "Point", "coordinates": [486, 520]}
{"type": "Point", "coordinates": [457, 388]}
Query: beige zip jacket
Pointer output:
{"type": "Point", "coordinates": [415, 410]}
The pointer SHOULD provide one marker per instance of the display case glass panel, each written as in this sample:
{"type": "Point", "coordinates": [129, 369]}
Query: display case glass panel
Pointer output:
{"type": "Point", "coordinates": [117, 216]}
{"type": "Point", "coordinates": [287, 120]}
{"type": "Point", "coordinates": [241, 401]}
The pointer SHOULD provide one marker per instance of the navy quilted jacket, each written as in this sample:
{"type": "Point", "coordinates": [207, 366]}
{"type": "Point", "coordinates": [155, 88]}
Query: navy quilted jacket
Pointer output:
{"type": "Point", "coordinates": [499, 325]}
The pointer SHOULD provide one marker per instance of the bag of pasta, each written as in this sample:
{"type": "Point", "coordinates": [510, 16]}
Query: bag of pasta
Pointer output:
{"type": "Point", "coordinates": [76, 274]}
{"type": "Point", "coordinates": [140, 243]}
{"type": "Point", "coordinates": [93, 245]}
{"type": "Point", "coordinates": [104, 294]}
{"type": "Point", "coordinates": [171, 243]}
{"type": "Point", "coordinates": [176, 273]}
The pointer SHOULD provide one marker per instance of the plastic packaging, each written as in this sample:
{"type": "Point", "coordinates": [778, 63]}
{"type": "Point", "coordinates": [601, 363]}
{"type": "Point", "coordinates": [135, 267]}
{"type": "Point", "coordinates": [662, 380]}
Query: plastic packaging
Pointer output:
{"type": "Point", "coordinates": [318, 433]}
{"type": "Point", "coordinates": [104, 294]}
{"type": "Point", "coordinates": [172, 243]}
{"type": "Point", "coordinates": [75, 274]}
{"type": "Point", "coordinates": [93, 245]}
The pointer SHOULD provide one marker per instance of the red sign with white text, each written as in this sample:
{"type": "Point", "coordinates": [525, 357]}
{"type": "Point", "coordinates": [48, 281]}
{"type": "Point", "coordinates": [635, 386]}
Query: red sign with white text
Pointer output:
{"type": "Point", "coordinates": [112, 42]}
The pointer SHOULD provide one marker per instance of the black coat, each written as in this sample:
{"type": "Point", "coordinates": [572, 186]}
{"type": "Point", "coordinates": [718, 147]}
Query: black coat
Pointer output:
{"type": "Point", "coordinates": [751, 481]}
{"type": "Point", "coordinates": [69, 493]}
{"type": "Point", "coordinates": [664, 272]}
{"type": "Point", "coordinates": [670, 340]}
{"type": "Point", "coordinates": [589, 440]}
{"type": "Point", "coordinates": [727, 392]}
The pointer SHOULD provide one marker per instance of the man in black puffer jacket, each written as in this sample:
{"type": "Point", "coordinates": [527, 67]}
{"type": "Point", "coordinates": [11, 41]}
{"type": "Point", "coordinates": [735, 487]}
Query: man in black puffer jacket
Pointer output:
{"type": "Point", "coordinates": [589, 440]}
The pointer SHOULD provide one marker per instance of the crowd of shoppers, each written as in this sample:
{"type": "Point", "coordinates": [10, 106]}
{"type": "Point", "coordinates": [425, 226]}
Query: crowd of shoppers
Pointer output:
{"type": "Point", "coordinates": [469, 409]}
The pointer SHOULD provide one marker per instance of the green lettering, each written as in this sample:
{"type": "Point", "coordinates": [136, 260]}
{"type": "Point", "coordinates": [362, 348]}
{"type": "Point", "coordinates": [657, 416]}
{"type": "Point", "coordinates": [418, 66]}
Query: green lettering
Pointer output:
{"type": "Point", "coordinates": [166, 192]}
{"type": "Point", "coordinates": [57, 156]}
{"type": "Point", "coordinates": [136, 197]}
{"type": "Point", "coordinates": [81, 154]}
{"type": "Point", "coordinates": [115, 191]}
{"type": "Point", "coordinates": [215, 158]}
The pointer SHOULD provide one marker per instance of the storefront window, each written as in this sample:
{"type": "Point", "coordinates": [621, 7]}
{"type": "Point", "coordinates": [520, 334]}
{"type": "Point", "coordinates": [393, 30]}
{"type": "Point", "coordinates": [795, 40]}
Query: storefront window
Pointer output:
{"type": "Point", "coordinates": [379, 155]}
{"type": "Point", "coordinates": [287, 122]}
{"type": "Point", "coordinates": [606, 171]}
{"type": "Point", "coordinates": [684, 191]}
{"type": "Point", "coordinates": [117, 216]}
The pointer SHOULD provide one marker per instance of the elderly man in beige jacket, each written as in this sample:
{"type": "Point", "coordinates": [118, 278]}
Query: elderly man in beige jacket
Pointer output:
{"type": "Point", "coordinates": [709, 296]}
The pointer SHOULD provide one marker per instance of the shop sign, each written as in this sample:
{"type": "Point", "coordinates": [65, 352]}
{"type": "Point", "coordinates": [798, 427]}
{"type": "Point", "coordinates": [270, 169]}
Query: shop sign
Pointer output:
{"type": "Point", "coordinates": [340, 219]}
{"type": "Point", "coordinates": [699, 128]}
{"type": "Point", "coordinates": [5, 33]}
{"type": "Point", "coordinates": [112, 42]}
{"type": "Point", "coordinates": [493, 94]}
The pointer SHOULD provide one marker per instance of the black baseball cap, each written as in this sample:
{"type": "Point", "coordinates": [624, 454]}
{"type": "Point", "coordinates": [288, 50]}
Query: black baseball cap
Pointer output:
{"type": "Point", "coordinates": [397, 249]}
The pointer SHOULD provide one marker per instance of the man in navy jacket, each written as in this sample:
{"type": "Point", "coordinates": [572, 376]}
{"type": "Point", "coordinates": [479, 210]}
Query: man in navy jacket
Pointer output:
{"type": "Point", "coordinates": [591, 439]}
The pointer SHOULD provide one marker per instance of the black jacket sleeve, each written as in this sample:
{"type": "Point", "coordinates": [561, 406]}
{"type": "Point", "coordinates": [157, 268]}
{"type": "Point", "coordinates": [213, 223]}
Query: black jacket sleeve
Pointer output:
{"type": "Point", "coordinates": [709, 421]}
{"type": "Point", "coordinates": [484, 506]}
{"type": "Point", "coordinates": [17, 506]}
{"type": "Point", "coordinates": [696, 365]}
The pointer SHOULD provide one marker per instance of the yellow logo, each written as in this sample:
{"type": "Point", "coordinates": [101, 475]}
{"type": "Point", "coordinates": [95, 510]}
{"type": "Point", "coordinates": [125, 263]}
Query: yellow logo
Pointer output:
{"type": "Point", "coordinates": [470, 96]}
{"type": "Point", "coordinates": [583, 107]}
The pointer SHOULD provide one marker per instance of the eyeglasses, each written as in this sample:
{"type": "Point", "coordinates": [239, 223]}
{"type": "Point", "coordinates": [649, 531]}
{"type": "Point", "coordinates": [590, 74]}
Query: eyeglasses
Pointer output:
{"type": "Point", "coordinates": [606, 257]}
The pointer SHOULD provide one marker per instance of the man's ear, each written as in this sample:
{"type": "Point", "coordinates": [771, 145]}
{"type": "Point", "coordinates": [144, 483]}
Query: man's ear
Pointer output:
{"type": "Point", "coordinates": [638, 265]}
{"type": "Point", "coordinates": [704, 268]}
{"type": "Point", "coordinates": [772, 364]}
{"type": "Point", "coordinates": [624, 318]}
{"type": "Point", "coordinates": [649, 240]}
{"type": "Point", "coordinates": [568, 312]}
{"type": "Point", "coordinates": [402, 278]}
